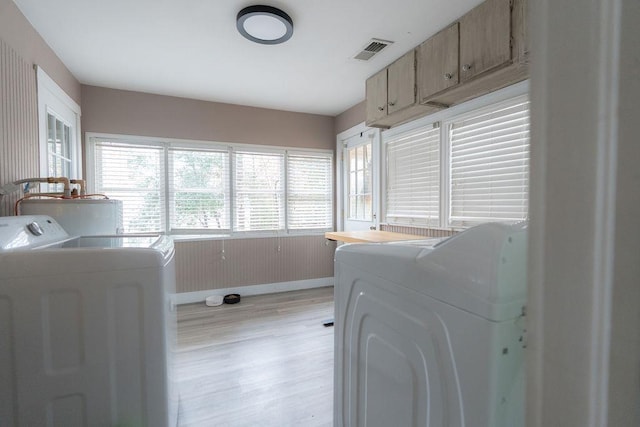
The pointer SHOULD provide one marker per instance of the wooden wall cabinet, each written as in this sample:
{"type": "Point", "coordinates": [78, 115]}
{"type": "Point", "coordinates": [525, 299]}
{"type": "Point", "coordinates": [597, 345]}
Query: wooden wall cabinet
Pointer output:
{"type": "Point", "coordinates": [391, 94]}
{"type": "Point", "coordinates": [376, 93]}
{"type": "Point", "coordinates": [492, 50]}
{"type": "Point", "coordinates": [485, 38]}
{"type": "Point", "coordinates": [484, 51]}
{"type": "Point", "coordinates": [437, 63]}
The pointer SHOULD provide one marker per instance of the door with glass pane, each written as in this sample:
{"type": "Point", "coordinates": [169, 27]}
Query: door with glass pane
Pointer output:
{"type": "Point", "coordinates": [59, 132]}
{"type": "Point", "coordinates": [360, 181]}
{"type": "Point", "coordinates": [59, 138]}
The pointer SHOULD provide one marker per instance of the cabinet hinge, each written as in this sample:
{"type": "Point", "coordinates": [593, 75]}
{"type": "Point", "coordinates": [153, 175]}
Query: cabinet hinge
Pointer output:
{"type": "Point", "coordinates": [511, 4]}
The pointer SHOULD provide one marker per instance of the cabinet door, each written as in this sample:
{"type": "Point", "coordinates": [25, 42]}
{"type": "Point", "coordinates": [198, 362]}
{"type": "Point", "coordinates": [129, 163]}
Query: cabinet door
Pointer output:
{"type": "Point", "coordinates": [485, 34]}
{"type": "Point", "coordinates": [438, 63]}
{"type": "Point", "coordinates": [376, 93]}
{"type": "Point", "coordinates": [401, 85]}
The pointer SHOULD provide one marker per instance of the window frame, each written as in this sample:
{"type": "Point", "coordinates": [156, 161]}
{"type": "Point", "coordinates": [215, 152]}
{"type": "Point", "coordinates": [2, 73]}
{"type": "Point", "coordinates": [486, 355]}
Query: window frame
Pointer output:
{"type": "Point", "coordinates": [457, 224]}
{"type": "Point", "coordinates": [427, 221]}
{"type": "Point", "coordinates": [288, 184]}
{"type": "Point", "coordinates": [91, 138]}
{"type": "Point", "coordinates": [442, 119]}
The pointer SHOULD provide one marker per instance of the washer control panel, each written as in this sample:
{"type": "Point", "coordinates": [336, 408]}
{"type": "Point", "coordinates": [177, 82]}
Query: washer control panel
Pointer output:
{"type": "Point", "coordinates": [29, 232]}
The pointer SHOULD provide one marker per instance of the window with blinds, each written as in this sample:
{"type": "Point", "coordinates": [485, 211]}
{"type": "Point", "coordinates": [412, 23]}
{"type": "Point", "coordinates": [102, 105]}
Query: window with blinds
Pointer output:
{"type": "Point", "coordinates": [309, 192]}
{"type": "Point", "coordinates": [185, 188]}
{"type": "Point", "coordinates": [199, 196]}
{"type": "Point", "coordinates": [259, 191]}
{"type": "Point", "coordinates": [133, 174]}
{"type": "Point", "coordinates": [489, 164]}
{"type": "Point", "coordinates": [413, 177]}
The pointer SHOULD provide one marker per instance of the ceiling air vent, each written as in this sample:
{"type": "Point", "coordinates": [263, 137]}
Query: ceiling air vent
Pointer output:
{"type": "Point", "coordinates": [374, 46]}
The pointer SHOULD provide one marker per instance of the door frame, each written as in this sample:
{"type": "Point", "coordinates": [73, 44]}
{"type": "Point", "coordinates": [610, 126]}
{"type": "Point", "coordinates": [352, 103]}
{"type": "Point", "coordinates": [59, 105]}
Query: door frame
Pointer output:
{"type": "Point", "coordinates": [340, 178]}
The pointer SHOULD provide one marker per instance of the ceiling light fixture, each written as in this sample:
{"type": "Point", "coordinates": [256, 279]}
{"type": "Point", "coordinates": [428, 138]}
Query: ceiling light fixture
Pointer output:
{"type": "Point", "coordinates": [264, 24]}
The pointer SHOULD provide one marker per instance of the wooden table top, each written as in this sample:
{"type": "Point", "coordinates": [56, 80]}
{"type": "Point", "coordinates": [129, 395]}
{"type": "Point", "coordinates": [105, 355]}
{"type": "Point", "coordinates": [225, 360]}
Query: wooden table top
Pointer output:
{"type": "Point", "coordinates": [370, 236]}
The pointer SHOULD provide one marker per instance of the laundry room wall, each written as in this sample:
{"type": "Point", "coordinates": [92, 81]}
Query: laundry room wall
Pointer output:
{"type": "Point", "coordinates": [350, 117]}
{"type": "Point", "coordinates": [200, 264]}
{"type": "Point", "coordinates": [21, 47]}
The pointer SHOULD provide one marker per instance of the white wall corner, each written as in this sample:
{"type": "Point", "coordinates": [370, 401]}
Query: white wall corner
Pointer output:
{"type": "Point", "coordinates": [578, 180]}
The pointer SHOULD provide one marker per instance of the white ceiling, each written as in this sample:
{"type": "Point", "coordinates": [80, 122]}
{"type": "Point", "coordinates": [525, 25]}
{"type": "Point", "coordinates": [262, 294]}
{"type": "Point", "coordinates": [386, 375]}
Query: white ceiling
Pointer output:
{"type": "Point", "coordinates": [191, 48]}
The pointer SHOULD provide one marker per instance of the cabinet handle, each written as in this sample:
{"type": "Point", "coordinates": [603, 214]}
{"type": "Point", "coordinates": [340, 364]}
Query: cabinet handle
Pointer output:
{"type": "Point", "coordinates": [466, 67]}
{"type": "Point", "coordinates": [391, 104]}
{"type": "Point", "coordinates": [448, 76]}
{"type": "Point", "coordinates": [380, 108]}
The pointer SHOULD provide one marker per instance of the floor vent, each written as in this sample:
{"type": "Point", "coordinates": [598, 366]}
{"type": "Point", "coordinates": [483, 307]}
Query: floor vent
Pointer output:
{"type": "Point", "coordinates": [374, 46]}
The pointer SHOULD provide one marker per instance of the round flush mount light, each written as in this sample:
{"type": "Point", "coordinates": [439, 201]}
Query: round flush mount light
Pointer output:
{"type": "Point", "coordinates": [264, 24]}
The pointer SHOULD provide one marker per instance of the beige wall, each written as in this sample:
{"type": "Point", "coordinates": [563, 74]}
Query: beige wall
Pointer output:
{"type": "Point", "coordinates": [20, 48]}
{"type": "Point", "coordinates": [18, 33]}
{"type": "Point", "coordinates": [18, 122]}
{"type": "Point", "coordinates": [348, 119]}
{"type": "Point", "coordinates": [136, 113]}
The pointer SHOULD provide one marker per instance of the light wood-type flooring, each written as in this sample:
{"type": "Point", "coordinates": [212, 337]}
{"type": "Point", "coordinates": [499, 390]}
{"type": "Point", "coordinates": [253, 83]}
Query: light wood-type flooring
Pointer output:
{"type": "Point", "coordinates": [267, 361]}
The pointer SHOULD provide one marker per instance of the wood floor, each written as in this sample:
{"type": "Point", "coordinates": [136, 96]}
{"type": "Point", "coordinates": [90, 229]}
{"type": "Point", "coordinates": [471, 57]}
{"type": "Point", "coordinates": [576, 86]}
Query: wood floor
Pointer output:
{"type": "Point", "coordinates": [267, 361]}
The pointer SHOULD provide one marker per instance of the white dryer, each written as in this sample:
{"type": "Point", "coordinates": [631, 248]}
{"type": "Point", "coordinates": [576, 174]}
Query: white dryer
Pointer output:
{"type": "Point", "coordinates": [432, 336]}
{"type": "Point", "coordinates": [86, 327]}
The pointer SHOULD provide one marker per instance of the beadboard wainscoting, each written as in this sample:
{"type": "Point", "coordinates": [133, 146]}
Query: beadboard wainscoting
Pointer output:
{"type": "Point", "coordinates": [426, 232]}
{"type": "Point", "coordinates": [18, 122]}
{"type": "Point", "coordinates": [284, 263]}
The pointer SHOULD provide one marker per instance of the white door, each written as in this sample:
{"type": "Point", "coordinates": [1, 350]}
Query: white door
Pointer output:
{"type": "Point", "coordinates": [59, 127]}
{"type": "Point", "coordinates": [360, 180]}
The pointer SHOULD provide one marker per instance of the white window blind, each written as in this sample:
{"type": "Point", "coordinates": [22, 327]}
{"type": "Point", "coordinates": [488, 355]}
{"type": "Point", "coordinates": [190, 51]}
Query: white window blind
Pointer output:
{"type": "Point", "coordinates": [489, 164]}
{"type": "Point", "coordinates": [413, 177]}
{"type": "Point", "coordinates": [259, 191]}
{"type": "Point", "coordinates": [310, 194]}
{"type": "Point", "coordinates": [198, 189]}
{"type": "Point", "coordinates": [135, 175]}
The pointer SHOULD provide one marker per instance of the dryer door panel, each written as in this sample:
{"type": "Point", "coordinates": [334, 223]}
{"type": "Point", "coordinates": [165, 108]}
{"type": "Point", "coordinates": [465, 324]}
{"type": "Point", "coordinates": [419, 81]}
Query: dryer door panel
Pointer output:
{"type": "Point", "coordinates": [400, 369]}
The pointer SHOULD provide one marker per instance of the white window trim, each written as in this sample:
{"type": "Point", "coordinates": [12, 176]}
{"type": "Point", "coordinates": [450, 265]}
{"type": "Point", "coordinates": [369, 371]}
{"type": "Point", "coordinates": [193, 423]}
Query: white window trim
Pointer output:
{"type": "Point", "coordinates": [444, 117]}
{"type": "Point", "coordinates": [92, 137]}
{"type": "Point", "coordinates": [50, 97]}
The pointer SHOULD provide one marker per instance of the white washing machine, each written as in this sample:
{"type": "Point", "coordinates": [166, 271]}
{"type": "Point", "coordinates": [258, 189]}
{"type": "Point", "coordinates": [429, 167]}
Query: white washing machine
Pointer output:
{"type": "Point", "coordinates": [87, 329]}
{"type": "Point", "coordinates": [432, 336]}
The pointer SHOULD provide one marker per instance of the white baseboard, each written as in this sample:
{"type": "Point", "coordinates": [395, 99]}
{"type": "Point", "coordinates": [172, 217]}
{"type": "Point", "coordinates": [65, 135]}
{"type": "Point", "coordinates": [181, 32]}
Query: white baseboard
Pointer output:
{"type": "Point", "coordinates": [269, 288]}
